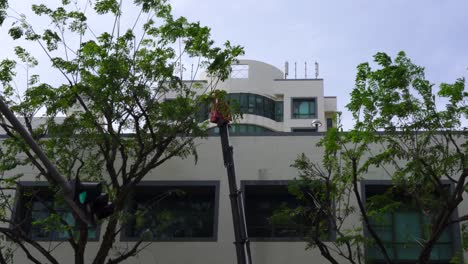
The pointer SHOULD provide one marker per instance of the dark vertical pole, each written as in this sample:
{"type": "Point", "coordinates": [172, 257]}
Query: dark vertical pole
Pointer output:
{"type": "Point", "coordinates": [240, 230]}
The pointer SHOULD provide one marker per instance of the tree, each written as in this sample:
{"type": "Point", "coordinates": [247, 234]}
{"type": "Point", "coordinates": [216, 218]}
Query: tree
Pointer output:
{"type": "Point", "coordinates": [116, 81]}
{"type": "Point", "coordinates": [410, 133]}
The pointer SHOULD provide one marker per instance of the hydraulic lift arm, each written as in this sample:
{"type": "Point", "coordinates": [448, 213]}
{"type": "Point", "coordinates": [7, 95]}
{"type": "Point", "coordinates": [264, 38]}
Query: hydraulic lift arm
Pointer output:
{"type": "Point", "coordinates": [241, 242]}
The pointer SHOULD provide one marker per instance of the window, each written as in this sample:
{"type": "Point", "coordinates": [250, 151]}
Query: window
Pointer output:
{"type": "Point", "coordinates": [265, 205]}
{"type": "Point", "coordinates": [239, 71]}
{"type": "Point", "coordinates": [278, 111]}
{"type": "Point", "coordinates": [45, 216]}
{"type": "Point", "coordinates": [258, 105]}
{"type": "Point", "coordinates": [241, 129]}
{"type": "Point", "coordinates": [303, 108]}
{"type": "Point", "coordinates": [304, 130]}
{"type": "Point", "coordinates": [173, 211]}
{"type": "Point", "coordinates": [402, 227]}
{"type": "Point", "coordinates": [329, 123]}
{"type": "Point", "coordinates": [251, 105]}
{"type": "Point", "coordinates": [203, 112]}
{"type": "Point", "coordinates": [268, 108]}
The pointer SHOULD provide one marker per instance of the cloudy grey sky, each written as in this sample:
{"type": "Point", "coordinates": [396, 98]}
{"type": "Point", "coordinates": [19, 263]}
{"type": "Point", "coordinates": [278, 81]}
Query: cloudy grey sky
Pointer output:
{"type": "Point", "coordinates": [340, 34]}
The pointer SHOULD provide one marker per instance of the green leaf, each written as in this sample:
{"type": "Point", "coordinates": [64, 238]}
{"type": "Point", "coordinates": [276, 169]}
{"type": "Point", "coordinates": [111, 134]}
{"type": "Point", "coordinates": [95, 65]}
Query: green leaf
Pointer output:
{"type": "Point", "coordinates": [15, 32]}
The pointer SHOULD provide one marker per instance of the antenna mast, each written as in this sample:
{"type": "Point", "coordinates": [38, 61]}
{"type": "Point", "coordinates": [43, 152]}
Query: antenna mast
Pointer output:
{"type": "Point", "coordinates": [305, 70]}
{"type": "Point", "coordinates": [316, 70]}
{"type": "Point", "coordinates": [295, 70]}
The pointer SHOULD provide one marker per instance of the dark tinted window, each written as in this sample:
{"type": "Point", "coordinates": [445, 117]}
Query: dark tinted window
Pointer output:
{"type": "Point", "coordinates": [172, 212]}
{"type": "Point", "coordinates": [258, 105]}
{"type": "Point", "coordinates": [241, 129]}
{"type": "Point", "coordinates": [329, 123]}
{"type": "Point", "coordinates": [248, 104]}
{"type": "Point", "coordinates": [261, 203]}
{"type": "Point", "coordinates": [303, 108]}
{"type": "Point", "coordinates": [403, 227]}
{"type": "Point", "coordinates": [45, 216]}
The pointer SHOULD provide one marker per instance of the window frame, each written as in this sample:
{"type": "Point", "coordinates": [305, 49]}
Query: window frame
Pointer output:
{"type": "Point", "coordinates": [260, 105]}
{"type": "Point", "coordinates": [244, 183]}
{"type": "Point", "coordinates": [20, 213]}
{"type": "Point", "coordinates": [148, 184]}
{"type": "Point", "coordinates": [235, 130]}
{"type": "Point", "coordinates": [329, 122]}
{"type": "Point", "coordinates": [304, 99]}
{"type": "Point", "coordinates": [454, 229]}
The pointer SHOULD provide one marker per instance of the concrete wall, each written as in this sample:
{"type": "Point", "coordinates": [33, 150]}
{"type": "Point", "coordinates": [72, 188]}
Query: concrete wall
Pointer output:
{"type": "Point", "coordinates": [256, 158]}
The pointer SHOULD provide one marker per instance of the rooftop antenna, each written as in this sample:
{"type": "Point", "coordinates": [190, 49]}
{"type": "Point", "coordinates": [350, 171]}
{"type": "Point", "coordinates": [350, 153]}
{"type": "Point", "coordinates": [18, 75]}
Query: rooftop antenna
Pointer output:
{"type": "Point", "coordinates": [305, 70]}
{"type": "Point", "coordinates": [286, 69]}
{"type": "Point", "coordinates": [295, 70]}
{"type": "Point", "coordinates": [316, 70]}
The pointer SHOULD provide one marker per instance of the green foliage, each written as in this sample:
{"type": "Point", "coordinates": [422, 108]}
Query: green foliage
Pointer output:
{"type": "Point", "coordinates": [106, 6]}
{"type": "Point", "coordinates": [108, 121]}
{"type": "Point", "coordinates": [3, 8]}
{"type": "Point", "coordinates": [402, 132]}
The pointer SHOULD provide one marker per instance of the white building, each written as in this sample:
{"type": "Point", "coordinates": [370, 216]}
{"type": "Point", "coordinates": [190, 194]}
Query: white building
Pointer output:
{"type": "Point", "coordinates": [202, 231]}
{"type": "Point", "coordinates": [293, 103]}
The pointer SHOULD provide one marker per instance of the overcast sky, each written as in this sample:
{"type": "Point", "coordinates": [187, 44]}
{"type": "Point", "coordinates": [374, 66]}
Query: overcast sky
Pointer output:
{"type": "Point", "coordinates": [338, 34]}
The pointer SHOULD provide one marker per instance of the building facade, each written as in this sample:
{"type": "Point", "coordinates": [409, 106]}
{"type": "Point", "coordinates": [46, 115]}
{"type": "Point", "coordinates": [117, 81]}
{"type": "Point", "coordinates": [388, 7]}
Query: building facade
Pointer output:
{"type": "Point", "coordinates": [193, 224]}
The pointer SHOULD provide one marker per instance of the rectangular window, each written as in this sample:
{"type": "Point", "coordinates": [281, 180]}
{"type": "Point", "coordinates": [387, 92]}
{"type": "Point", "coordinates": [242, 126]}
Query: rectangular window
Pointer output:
{"type": "Point", "coordinates": [244, 102]}
{"type": "Point", "coordinates": [173, 211]}
{"type": "Point", "coordinates": [279, 111]}
{"type": "Point", "coordinates": [251, 105]}
{"type": "Point", "coordinates": [44, 215]}
{"type": "Point", "coordinates": [267, 108]}
{"type": "Point", "coordinates": [329, 123]}
{"type": "Point", "coordinates": [266, 202]}
{"type": "Point", "coordinates": [402, 227]}
{"type": "Point", "coordinates": [259, 105]}
{"type": "Point", "coordinates": [303, 108]}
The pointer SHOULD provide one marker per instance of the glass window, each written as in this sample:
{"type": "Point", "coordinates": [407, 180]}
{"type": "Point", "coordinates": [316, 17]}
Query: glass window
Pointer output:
{"type": "Point", "coordinates": [303, 108]}
{"type": "Point", "coordinates": [268, 207]}
{"type": "Point", "coordinates": [329, 123]}
{"type": "Point", "coordinates": [243, 102]}
{"type": "Point", "coordinates": [258, 105]}
{"type": "Point", "coordinates": [241, 129]}
{"type": "Point", "coordinates": [261, 203]}
{"type": "Point", "coordinates": [173, 212]}
{"type": "Point", "coordinates": [251, 105]}
{"type": "Point", "coordinates": [267, 109]}
{"type": "Point", "coordinates": [403, 228]}
{"type": "Point", "coordinates": [203, 113]}
{"type": "Point", "coordinates": [279, 111]}
{"type": "Point", "coordinates": [48, 217]}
